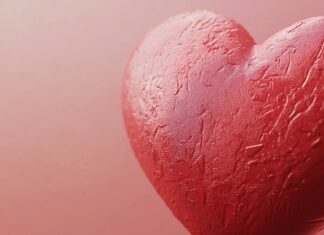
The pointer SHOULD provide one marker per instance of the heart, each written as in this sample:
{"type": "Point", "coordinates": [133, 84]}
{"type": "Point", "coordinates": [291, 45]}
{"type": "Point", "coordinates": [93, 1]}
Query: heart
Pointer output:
{"type": "Point", "coordinates": [230, 133]}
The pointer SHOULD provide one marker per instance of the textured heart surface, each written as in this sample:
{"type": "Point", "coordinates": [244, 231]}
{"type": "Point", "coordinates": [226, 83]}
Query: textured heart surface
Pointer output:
{"type": "Point", "coordinates": [230, 133]}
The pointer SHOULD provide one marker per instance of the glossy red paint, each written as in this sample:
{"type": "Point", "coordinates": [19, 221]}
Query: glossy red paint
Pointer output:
{"type": "Point", "coordinates": [229, 132]}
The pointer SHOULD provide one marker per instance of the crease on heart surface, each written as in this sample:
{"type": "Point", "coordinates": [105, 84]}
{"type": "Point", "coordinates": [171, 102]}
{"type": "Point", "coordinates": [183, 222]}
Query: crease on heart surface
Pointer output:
{"type": "Point", "coordinates": [230, 133]}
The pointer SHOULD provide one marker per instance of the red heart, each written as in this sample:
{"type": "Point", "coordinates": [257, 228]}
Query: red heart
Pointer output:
{"type": "Point", "coordinates": [231, 133]}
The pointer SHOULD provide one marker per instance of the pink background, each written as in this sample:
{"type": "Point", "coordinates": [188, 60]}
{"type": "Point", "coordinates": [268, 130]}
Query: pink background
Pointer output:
{"type": "Point", "coordinates": [65, 164]}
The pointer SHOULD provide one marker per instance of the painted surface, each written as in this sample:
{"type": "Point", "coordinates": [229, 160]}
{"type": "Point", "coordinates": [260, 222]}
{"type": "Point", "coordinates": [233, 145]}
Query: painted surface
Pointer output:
{"type": "Point", "coordinates": [229, 131]}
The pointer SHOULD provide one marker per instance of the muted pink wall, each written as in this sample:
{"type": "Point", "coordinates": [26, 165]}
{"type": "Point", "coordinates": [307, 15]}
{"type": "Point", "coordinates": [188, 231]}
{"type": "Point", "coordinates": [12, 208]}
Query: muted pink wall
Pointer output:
{"type": "Point", "coordinates": [65, 165]}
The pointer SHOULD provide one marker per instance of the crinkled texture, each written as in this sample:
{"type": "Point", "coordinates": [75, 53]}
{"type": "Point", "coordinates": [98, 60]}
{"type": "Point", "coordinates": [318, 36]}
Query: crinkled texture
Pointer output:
{"type": "Point", "coordinates": [230, 133]}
